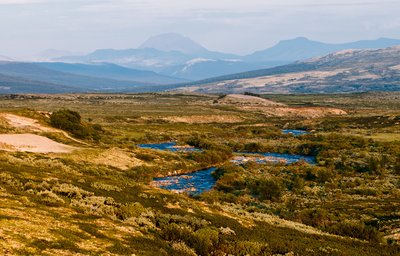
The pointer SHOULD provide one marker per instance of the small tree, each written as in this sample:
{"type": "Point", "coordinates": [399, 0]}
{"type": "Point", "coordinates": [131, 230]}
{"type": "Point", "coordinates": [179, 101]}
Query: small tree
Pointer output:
{"type": "Point", "coordinates": [67, 120]}
{"type": "Point", "coordinates": [71, 121]}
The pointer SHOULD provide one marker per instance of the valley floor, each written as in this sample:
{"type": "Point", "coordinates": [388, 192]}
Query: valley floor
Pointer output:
{"type": "Point", "coordinates": [90, 193]}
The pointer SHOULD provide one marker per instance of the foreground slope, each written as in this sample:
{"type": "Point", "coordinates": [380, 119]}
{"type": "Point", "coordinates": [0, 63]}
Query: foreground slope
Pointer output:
{"type": "Point", "coordinates": [99, 200]}
{"type": "Point", "coordinates": [345, 71]}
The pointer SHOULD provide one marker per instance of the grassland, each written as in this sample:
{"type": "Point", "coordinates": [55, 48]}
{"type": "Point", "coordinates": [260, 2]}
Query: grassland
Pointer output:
{"type": "Point", "coordinates": [98, 199]}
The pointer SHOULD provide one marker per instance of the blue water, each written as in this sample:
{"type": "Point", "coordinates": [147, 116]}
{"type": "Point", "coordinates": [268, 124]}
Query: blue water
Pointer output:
{"type": "Point", "coordinates": [295, 132]}
{"type": "Point", "coordinates": [192, 184]}
{"type": "Point", "coordinates": [170, 146]}
{"type": "Point", "coordinates": [201, 181]}
{"type": "Point", "coordinates": [276, 158]}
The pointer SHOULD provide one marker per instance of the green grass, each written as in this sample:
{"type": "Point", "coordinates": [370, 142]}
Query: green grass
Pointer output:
{"type": "Point", "coordinates": [356, 180]}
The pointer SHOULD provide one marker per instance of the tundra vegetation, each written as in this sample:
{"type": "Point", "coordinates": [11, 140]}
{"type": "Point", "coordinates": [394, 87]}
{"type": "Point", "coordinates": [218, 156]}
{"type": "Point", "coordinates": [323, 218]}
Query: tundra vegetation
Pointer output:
{"type": "Point", "coordinates": [99, 199]}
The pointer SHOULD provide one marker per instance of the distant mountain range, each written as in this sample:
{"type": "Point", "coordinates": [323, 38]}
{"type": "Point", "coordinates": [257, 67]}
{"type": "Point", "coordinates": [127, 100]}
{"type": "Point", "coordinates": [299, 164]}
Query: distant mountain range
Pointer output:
{"type": "Point", "coordinates": [178, 56]}
{"type": "Point", "coordinates": [20, 77]}
{"type": "Point", "coordinates": [302, 48]}
{"type": "Point", "coordinates": [166, 61]}
{"type": "Point", "coordinates": [174, 43]}
{"type": "Point", "coordinates": [344, 71]}
{"type": "Point", "coordinates": [50, 54]}
{"type": "Point", "coordinates": [111, 71]}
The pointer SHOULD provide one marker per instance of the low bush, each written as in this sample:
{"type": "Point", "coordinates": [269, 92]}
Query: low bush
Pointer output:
{"type": "Point", "coordinates": [50, 198]}
{"type": "Point", "coordinates": [71, 121]}
{"type": "Point", "coordinates": [357, 230]}
{"type": "Point", "coordinates": [130, 210]}
{"type": "Point", "coordinates": [267, 189]}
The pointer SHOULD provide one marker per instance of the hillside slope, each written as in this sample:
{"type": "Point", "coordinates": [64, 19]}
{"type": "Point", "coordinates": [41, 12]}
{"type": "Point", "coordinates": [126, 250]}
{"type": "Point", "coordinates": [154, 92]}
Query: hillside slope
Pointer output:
{"type": "Point", "coordinates": [302, 48]}
{"type": "Point", "coordinates": [110, 71]}
{"type": "Point", "coordinates": [19, 77]}
{"type": "Point", "coordinates": [345, 71]}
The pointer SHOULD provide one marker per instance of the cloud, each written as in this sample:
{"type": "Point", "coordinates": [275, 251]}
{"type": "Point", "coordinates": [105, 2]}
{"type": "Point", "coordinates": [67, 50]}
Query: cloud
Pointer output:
{"type": "Point", "coordinates": [239, 26]}
{"type": "Point", "coordinates": [15, 2]}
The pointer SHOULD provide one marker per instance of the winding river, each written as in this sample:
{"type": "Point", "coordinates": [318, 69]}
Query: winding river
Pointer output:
{"type": "Point", "coordinates": [200, 181]}
{"type": "Point", "coordinates": [295, 132]}
{"type": "Point", "coordinates": [193, 183]}
{"type": "Point", "coordinates": [169, 146]}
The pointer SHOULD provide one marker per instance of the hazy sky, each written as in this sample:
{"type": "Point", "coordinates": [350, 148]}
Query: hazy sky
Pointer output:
{"type": "Point", "coordinates": [237, 26]}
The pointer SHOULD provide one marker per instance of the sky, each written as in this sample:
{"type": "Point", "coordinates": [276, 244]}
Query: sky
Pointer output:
{"type": "Point", "coordinates": [235, 26]}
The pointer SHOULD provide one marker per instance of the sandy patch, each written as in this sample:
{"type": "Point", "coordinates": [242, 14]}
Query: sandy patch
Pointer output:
{"type": "Point", "coordinates": [32, 143]}
{"type": "Point", "coordinates": [205, 119]}
{"type": "Point", "coordinates": [247, 100]}
{"type": "Point", "coordinates": [117, 158]}
{"type": "Point", "coordinates": [30, 124]}
{"type": "Point", "coordinates": [111, 157]}
{"type": "Point", "coordinates": [309, 112]}
{"type": "Point", "coordinates": [306, 112]}
{"type": "Point", "coordinates": [278, 82]}
{"type": "Point", "coordinates": [26, 124]}
{"type": "Point", "coordinates": [288, 79]}
{"type": "Point", "coordinates": [397, 67]}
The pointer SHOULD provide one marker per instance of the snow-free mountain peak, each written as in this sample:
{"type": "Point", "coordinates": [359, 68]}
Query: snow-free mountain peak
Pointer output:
{"type": "Point", "coordinates": [301, 48]}
{"type": "Point", "coordinates": [173, 42]}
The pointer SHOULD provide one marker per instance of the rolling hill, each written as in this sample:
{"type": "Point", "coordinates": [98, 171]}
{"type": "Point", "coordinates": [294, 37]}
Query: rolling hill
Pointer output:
{"type": "Point", "coordinates": [302, 48]}
{"type": "Point", "coordinates": [15, 85]}
{"type": "Point", "coordinates": [110, 71]}
{"type": "Point", "coordinates": [19, 77]}
{"type": "Point", "coordinates": [344, 71]}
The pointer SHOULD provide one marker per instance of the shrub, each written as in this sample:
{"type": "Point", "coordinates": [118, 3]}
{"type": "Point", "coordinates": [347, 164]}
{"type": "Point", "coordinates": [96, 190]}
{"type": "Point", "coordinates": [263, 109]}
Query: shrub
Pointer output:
{"type": "Point", "coordinates": [176, 232]}
{"type": "Point", "coordinates": [67, 120]}
{"type": "Point", "coordinates": [324, 175]}
{"type": "Point", "coordinates": [50, 198]}
{"type": "Point", "coordinates": [297, 184]}
{"type": "Point", "coordinates": [142, 173]}
{"type": "Point", "coordinates": [130, 210]}
{"type": "Point", "coordinates": [267, 189]}
{"type": "Point", "coordinates": [71, 121]}
{"type": "Point", "coordinates": [10, 181]}
{"type": "Point", "coordinates": [205, 239]}
{"type": "Point", "coordinates": [252, 94]}
{"type": "Point", "coordinates": [357, 230]}
{"type": "Point", "coordinates": [145, 156]}
{"type": "Point", "coordinates": [96, 205]}
{"type": "Point", "coordinates": [183, 249]}
{"type": "Point", "coordinates": [253, 147]}
{"type": "Point", "coordinates": [211, 157]}
{"type": "Point", "coordinates": [106, 187]}
{"type": "Point", "coordinates": [396, 168]}
{"type": "Point", "coordinates": [315, 217]}
{"type": "Point", "coordinates": [231, 182]}
{"type": "Point", "coordinates": [249, 248]}
{"type": "Point", "coordinates": [70, 191]}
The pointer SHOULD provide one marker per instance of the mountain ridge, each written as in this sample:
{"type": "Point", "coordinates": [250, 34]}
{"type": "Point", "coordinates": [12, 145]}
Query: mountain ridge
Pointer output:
{"type": "Point", "coordinates": [171, 42]}
{"type": "Point", "coordinates": [302, 48]}
{"type": "Point", "coordinates": [343, 71]}
{"type": "Point", "coordinates": [169, 54]}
